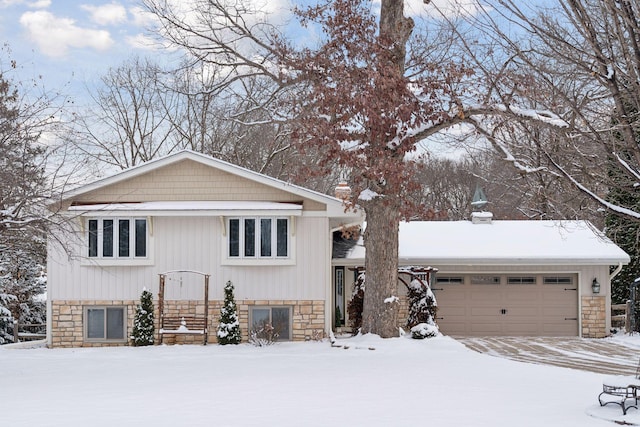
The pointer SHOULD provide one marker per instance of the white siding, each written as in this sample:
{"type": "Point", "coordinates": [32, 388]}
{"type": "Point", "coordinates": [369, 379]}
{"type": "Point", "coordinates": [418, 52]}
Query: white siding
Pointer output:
{"type": "Point", "coordinates": [195, 243]}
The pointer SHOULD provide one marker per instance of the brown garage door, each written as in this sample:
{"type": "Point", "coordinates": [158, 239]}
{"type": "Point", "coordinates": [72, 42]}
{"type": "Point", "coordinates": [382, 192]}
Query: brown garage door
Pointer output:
{"type": "Point", "coordinates": [507, 305]}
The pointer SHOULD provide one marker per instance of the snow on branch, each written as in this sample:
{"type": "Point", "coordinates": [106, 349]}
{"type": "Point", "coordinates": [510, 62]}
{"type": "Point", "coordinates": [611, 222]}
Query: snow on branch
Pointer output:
{"type": "Point", "coordinates": [543, 116]}
{"type": "Point", "coordinates": [613, 207]}
{"type": "Point", "coordinates": [627, 167]}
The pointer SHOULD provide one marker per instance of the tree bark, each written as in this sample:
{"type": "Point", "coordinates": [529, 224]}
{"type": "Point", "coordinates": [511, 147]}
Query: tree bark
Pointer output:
{"type": "Point", "coordinates": [380, 309]}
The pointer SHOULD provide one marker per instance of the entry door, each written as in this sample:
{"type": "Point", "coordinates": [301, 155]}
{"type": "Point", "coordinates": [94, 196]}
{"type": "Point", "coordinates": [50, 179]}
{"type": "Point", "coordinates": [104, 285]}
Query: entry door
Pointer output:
{"type": "Point", "coordinates": [339, 297]}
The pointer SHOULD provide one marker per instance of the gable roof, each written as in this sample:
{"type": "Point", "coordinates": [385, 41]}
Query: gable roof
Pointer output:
{"type": "Point", "coordinates": [335, 207]}
{"type": "Point", "coordinates": [501, 243]}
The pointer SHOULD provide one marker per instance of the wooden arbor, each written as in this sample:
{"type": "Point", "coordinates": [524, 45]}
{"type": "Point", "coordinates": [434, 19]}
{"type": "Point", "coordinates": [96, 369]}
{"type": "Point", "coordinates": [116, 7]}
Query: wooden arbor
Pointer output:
{"type": "Point", "coordinates": [189, 324]}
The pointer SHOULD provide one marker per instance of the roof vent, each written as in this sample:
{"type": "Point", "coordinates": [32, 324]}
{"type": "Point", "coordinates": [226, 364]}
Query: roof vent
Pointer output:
{"type": "Point", "coordinates": [343, 191]}
{"type": "Point", "coordinates": [481, 217]}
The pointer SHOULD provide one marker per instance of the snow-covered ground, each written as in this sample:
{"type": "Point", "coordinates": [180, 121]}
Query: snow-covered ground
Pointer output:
{"type": "Point", "coordinates": [399, 382]}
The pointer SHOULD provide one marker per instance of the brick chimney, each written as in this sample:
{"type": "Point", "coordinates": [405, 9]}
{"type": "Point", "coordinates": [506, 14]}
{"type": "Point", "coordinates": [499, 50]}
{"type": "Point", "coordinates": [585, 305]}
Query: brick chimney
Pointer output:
{"type": "Point", "coordinates": [343, 191]}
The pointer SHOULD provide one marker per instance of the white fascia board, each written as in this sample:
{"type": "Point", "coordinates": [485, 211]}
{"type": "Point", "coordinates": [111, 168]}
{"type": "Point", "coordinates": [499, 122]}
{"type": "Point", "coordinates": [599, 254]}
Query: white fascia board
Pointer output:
{"type": "Point", "coordinates": [513, 261]}
{"type": "Point", "coordinates": [189, 208]}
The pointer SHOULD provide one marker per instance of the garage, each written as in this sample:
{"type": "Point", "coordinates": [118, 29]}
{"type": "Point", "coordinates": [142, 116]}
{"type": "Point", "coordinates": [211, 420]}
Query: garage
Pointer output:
{"type": "Point", "coordinates": [507, 278]}
{"type": "Point", "coordinates": [507, 305]}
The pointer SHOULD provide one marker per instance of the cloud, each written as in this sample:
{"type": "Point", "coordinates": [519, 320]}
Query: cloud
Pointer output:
{"type": "Point", "coordinates": [142, 18]}
{"type": "Point", "coordinates": [107, 14]}
{"type": "Point", "coordinates": [55, 36]}
{"type": "Point", "coordinates": [36, 4]}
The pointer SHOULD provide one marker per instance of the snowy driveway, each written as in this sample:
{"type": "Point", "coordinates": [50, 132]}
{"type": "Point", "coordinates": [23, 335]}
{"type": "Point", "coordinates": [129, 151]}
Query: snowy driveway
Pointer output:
{"type": "Point", "coordinates": [616, 356]}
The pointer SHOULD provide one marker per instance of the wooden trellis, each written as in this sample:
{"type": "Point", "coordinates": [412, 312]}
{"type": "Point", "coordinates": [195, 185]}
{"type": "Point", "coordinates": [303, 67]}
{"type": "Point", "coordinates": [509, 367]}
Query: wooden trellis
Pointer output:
{"type": "Point", "coordinates": [184, 324]}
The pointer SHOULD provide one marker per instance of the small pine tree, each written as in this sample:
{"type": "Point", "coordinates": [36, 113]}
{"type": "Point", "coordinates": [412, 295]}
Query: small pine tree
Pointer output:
{"type": "Point", "coordinates": [229, 327]}
{"type": "Point", "coordinates": [143, 327]}
{"type": "Point", "coordinates": [356, 304]}
{"type": "Point", "coordinates": [422, 310]}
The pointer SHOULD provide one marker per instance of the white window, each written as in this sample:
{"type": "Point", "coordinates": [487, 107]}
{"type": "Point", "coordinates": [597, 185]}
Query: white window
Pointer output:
{"type": "Point", "coordinates": [261, 237]}
{"type": "Point", "coordinates": [105, 323]}
{"type": "Point", "coordinates": [122, 238]}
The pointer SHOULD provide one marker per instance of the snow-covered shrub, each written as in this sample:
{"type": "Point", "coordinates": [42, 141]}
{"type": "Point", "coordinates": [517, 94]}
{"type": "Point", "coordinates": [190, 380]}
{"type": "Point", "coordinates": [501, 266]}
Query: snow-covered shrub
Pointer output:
{"type": "Point", "coordinates": [424, 330]}
{"type": "Point", "coordinates": [356, 304]}
{"type": "Point", "coordinates": [422, 309]}
{"type": "Point", "coordinates": [263, 335]}
{"type": "Point", "coordinates": [143, 326]}
{"type": "Point", "coordinates": [229, 326]}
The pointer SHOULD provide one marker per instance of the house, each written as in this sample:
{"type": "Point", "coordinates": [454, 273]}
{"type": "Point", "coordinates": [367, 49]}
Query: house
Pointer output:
{"type": "Point", "coordinates": [182, 220]}
{"type": "Point", "coordinates": [501, 278]}
{"type": "Point", "coordinates": [184, 225]}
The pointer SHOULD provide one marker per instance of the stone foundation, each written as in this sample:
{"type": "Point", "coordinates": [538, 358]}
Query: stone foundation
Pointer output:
{"type": "Point", "coordinates": [67, 326]}
{"type": "Point", "coordinates": [594, 317]}
{"type": "Point", "coordinates": [67, 330]}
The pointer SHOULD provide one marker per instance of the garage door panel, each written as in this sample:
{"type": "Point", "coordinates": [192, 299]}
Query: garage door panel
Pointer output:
{"type": "Point", "coordinates": [527, 295]}
{"type": "Point", "coordinates": [559, 311]}
{"type": "Point", "coordinates": [524, 328]}
{"type": "Point", "coordinates": [521, 311]}
{"type": "Point", "coordinates": [485, 311]}
{"type": "Point", "coordinates": [452, 311]}
{"type": "Point", "coordinates": [485, 328]}
{"type": "Point", "coordinates": [563, 328]}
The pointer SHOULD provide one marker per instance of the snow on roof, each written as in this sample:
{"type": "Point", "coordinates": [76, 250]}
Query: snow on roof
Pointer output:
{"type": "Point", "coordinates": [502, 242]}
{"type": "Point", "coordinates": [201, 207]}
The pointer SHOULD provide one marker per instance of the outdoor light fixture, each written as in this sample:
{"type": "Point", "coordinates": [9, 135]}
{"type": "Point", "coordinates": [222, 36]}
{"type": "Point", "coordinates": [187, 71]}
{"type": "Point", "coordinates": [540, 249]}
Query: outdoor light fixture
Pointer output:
{"type": "Point", "coordinates": [595, 286]}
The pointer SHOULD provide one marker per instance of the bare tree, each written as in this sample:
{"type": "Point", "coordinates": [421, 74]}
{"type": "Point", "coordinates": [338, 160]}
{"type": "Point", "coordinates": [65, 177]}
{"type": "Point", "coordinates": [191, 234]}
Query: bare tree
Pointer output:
{"type": "Point", "coordinates": [360, 99]}
{"type": "Point", "coordinates": [30, 176]}
{"type": "Point", "coordinates": [131, 121]}
{"type": "Point", "coordinates": [580, 61]}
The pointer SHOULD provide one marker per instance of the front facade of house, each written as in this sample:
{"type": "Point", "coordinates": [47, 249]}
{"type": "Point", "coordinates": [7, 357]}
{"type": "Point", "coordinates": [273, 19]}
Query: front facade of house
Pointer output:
{"type": "Point", "coordinates": [187, 218]}
{"type": "Point", "coordinates": [508, 278]}
{"type": "Point", "coordinates": [179, 216]}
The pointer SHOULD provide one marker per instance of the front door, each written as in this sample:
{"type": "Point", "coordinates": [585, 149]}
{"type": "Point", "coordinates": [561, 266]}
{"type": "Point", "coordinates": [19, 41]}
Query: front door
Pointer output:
{"type": "Point", "coordinates": [339, 297]}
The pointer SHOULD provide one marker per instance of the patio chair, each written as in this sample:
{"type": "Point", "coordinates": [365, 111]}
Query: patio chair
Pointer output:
{"type": "Point", "coordinates": [620, 389]}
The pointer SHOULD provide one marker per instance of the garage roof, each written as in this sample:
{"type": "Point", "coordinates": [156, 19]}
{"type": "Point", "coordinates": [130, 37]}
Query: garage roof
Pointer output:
{"type": "Point", "coordinates": [500, 243]}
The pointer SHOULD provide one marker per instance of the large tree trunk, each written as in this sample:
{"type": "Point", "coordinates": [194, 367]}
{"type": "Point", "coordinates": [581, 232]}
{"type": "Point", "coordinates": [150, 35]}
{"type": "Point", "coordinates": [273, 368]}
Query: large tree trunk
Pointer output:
{"type": "Point", "coordinates": [381, 305]}
{"type": "Point", "coordinates": [380, 311]}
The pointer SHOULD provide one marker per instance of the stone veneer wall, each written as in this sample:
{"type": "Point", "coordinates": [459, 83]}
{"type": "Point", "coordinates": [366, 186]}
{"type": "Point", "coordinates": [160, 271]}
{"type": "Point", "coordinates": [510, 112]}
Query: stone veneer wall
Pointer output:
{"type": "Point", "coordinates": [67, 326]}
{"type": "Point", "coordinates": [67, 320]}
{"type": "Point", "coordinates": [594, 317]}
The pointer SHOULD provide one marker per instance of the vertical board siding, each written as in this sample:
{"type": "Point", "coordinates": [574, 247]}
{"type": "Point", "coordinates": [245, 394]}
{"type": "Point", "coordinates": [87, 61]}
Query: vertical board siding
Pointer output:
{"type": "Point", "coordinates": [195, 243]}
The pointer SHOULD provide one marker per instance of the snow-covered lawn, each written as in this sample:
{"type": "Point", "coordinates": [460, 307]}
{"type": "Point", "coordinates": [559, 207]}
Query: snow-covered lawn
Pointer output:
{"type": "Point", "coordinates": [403, 382]}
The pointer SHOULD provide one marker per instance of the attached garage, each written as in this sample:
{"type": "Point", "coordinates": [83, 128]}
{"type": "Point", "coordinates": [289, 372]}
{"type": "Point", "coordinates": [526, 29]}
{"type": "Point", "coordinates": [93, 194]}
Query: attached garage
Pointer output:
{"type": "Point", "coordinates": [509, 278]}
{"type": "Point", "coordinates": [509, 305]}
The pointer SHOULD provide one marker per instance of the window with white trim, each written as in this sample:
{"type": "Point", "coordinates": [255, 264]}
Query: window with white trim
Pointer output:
{"type": "Point", "coordinates": [258, 237]}
{"type": "Point", "coordinates": [122, 238]}
{"type": "Point", "coordinates": [105, 323]}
